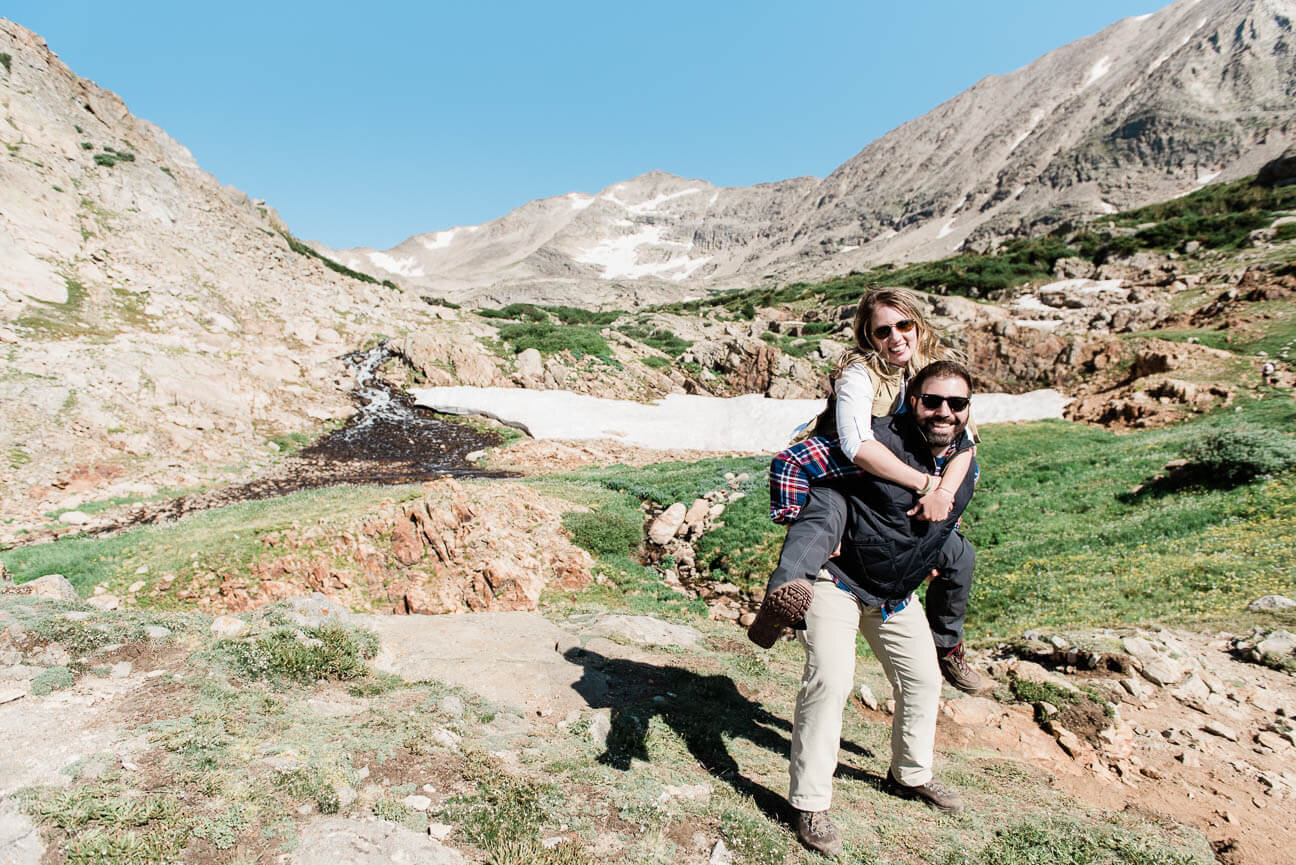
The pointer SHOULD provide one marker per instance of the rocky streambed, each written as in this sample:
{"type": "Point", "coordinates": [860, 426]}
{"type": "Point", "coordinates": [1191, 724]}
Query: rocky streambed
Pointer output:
{"type": "Point", "coordinates": [389, 440]}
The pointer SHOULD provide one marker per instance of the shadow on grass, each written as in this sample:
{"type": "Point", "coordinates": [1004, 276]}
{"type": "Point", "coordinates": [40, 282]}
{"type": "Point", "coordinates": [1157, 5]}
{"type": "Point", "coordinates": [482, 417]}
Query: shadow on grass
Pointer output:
{"type": "Point", "coordinates": [1172, 482]}
{"type": "Point", "coordinates": [705, 711]}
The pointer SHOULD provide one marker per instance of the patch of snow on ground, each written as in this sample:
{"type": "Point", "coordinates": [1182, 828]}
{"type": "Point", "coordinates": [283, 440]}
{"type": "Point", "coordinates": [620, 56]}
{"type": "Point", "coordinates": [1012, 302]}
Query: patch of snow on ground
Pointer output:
{"type": "Point", "coordinates": [1101, 68]}
{"type": "Point", "coordinates": [441, 239]}
{"type": "Point", "coordinates": [1030, 303]}
{"type": "Point", "coordinates": [1204, 179]}
{"type": "Point", "coordinates": [578, 201]}
{"type": "Point", "coordinates": [402, 266]}
{"type": "Point", "coordinates": [1143, 17]}
{"type": "Point", "coordinates": [650, 206]}
{"type": "Point", "coordinates": [1036, 116]}
{"type": "Point", "coordinates": [962, 201]}
{"type": "Point", "coordinates": [715, 196]}
{"type": "Point", "coordinates": [1016, 192]}
{"type": "Point", "coordinates": [947, 229]}
{"type": "Point", "coordinates": [1108, 207]}
{"type": "Point", "coordinates": [744, 423]}
{"type": "Point", "coordinates": [848, 248]}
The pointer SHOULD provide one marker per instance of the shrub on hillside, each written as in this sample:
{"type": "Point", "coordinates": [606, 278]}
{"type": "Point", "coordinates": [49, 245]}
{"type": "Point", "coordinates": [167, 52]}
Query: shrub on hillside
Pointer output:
{"type": "Point", "coordinates": [659, 338]}
{"type": "Point", "coordinates": [516, 312]}
{"type": "Point", "coordinates": [305, 655]}
{"type": "Point", "coordinates": [1229, 457]}
{"type": "Point", "coordinates": [606, 532]}
{"type": "Point", "coordinates": [548, 338]}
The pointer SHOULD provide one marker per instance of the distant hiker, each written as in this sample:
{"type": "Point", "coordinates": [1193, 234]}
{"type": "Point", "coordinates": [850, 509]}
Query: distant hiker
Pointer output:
{"type": "Point", "coordinates": [869, 589]}
{"type": "Point", "coordinates": [893, 340]}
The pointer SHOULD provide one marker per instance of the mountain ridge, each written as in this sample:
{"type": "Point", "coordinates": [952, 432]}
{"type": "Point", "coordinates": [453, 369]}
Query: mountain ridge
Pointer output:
{"type": "Point", "coordinates": [1146, 109]}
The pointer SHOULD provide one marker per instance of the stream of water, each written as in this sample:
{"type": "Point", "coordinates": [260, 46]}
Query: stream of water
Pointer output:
{"type": "Point", "coordinates": [389, 440]}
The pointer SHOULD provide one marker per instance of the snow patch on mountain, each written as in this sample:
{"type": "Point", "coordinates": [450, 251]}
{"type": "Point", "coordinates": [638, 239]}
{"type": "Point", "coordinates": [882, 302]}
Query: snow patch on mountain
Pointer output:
{"type": "Point", "coordinates": [651, 205]}
{"type": "Point", "coordinates": [1036, 116]}
{"type": "Point", "coordinates": [441, 239]}
{"type": "Point", "coordinates": [403, 266]}
{"type": "Point", "coordinates": [620, 257]}
{"type": "Point", "coordinates": [1098, 70]}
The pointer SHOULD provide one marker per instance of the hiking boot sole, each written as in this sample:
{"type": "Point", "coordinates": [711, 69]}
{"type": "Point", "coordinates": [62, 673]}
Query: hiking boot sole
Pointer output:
{"type": "Point", "coordinates": [782, 608]}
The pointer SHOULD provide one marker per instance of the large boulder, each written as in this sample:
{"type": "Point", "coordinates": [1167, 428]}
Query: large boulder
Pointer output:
{"type": "Point", "coordinates": [53, 586]}
{"type": "Point", "coordinates": [435, 354]}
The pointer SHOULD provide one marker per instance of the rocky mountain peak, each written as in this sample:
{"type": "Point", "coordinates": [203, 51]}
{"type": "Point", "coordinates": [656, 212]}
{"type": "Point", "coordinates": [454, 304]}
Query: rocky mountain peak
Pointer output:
{"type": "Point", "coordinates": [1149, 108]}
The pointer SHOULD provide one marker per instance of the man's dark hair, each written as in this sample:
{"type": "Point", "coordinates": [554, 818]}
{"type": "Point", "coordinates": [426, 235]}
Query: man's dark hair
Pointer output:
{"type": "Point", "coordinates": [940, 369]}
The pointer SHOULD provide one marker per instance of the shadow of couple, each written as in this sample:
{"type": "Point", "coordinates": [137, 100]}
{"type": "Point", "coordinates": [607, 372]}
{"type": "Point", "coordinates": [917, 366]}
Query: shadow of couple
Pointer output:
{"type": "Point", "coordinates": [705, 711]}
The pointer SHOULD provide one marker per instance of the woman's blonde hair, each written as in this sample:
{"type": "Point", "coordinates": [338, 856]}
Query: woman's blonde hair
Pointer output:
{"type": "Point", "coordinates": [928, 349]}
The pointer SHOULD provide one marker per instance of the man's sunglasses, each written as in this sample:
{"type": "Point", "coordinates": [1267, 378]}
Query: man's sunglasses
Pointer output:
{"type": "Point", "coordinates": [932, 401]}
{"type": "Point", "coordinates": [904, 325]}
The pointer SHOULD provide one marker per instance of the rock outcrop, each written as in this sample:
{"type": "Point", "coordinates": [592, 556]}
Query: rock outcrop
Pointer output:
{"type": "Point", "coordinates": [454, 549]}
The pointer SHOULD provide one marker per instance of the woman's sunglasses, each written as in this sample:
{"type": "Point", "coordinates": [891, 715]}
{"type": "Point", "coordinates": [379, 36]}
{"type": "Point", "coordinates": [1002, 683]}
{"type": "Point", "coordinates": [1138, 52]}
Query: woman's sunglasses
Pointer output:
{"type": "Point", "coordinates": [904, 325]}
{"type": "Point", "coordinates": [932, 401]}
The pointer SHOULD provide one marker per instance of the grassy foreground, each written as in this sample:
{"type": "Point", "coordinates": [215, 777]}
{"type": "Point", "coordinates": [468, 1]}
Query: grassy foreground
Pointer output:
{"type": "Point", "coordinates": [241, 743]}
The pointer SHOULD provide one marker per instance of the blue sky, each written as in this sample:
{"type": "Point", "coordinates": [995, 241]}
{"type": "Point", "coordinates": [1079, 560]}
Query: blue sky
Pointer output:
{"type": "Point", "coordinates": [364, 123]}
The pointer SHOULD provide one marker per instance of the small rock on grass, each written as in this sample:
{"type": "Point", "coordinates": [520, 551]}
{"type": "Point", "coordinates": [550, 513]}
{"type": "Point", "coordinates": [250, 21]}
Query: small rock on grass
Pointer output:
{"type": "Point", "coordinates": [104, 602]}
{"type": "Point", "coordinates": [1271, 602]}
{"type": "Point", "coordinates": [599, 728]}
{"type": "Point", "coordinates": [720, 854]}
{"type": "Point", "coordinates": [358, 842]}
{"type": "Point", "coordinates": [867, 698]}
{"type": "Point", "coordinates": [53, 586]}
{"type": "Point", "coordinates": [228, 626]}
{"type": "Point", "coordinates": [156, 632]}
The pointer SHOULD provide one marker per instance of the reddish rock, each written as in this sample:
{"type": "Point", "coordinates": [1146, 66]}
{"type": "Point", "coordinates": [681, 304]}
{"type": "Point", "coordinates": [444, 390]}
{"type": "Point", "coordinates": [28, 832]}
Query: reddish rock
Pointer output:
{"type": "Point", "coordinates": [406, 546]}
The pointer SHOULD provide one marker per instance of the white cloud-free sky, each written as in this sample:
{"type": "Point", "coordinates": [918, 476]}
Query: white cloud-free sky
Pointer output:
{"type": "Point", "coordinates": [364, 123]}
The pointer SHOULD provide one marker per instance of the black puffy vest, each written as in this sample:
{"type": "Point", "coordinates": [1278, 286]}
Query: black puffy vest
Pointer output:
{"type": "Point", "coordinates": [886, 554]}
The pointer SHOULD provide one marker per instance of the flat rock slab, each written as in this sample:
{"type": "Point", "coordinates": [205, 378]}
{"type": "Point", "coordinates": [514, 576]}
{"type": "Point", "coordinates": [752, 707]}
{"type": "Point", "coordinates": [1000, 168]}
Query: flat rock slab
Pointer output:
{"type": "Point", "coordinates": [20, 840]}
{"type": "Point", "coordinates": [369, 842]}
{"type": "Point", "coordinates": [684, 421]}
{"type": "Point", "coordinates": [41, 735]}
{"type": "Point", "coordinates": [643, 629]}
{"type": "Point", "coordinates": [514, 659]}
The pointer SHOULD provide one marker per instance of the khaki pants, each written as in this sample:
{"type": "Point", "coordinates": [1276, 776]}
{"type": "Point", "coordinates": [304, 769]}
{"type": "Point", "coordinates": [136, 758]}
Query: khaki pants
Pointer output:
{"type": "Point", "coordinates": [903, 644]}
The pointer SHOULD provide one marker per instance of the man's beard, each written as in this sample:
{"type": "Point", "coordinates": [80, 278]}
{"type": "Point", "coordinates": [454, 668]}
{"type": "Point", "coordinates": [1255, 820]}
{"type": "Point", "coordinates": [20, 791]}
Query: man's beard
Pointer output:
{"type": "Point", "coordinates": [941, 438]}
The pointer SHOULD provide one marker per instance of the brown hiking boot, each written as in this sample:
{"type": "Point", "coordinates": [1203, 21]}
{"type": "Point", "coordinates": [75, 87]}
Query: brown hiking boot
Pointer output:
{"type": "Point", "coordinates": [934, 793]}
{"type": "Point", "coordinates": [782, 608]}
{"type": "Point", "coordinates": [818, 833]}
{"type": "Point", "coordinates": [956, 670]}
